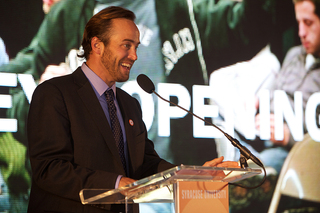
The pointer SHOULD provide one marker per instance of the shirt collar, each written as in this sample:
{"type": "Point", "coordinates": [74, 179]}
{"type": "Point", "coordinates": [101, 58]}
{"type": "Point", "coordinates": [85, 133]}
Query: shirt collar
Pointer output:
{"type": "Point", "coordinates": [99, 85]}
{"type": "Point", "coordinates": [309, 61]}
{"type": "Point", "coordinates": [312, 62]}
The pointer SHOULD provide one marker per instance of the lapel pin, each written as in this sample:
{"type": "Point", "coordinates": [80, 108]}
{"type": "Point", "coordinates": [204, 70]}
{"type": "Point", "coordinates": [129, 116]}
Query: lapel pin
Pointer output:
{"type": "Point", "coordinates": [131, 122]}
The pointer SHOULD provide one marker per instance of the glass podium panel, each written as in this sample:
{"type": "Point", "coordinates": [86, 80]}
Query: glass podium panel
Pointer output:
{"type": "Point", "coordinates": [158, 188]}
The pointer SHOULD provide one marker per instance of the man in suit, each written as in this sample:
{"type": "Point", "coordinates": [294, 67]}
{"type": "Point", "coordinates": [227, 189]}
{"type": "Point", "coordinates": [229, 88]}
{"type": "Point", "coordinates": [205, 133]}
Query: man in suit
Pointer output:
{"type": "Point", "coordinates": [73, 140]}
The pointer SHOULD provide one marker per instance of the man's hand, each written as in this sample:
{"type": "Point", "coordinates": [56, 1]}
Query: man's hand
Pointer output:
{"type": "Point", "coordinates": [218, 162]}
{"type": "Point", "coordinates": [125, 181]}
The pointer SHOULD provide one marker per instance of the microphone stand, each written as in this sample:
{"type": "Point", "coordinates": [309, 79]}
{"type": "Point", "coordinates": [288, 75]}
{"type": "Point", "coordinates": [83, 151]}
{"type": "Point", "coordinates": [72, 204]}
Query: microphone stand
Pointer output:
{"type": "Point", "coordinates": [147, 85]}
{"type": "Point", "coordinates": [245, 154]}
{"type": "Point", "coordinates": [243, 161]}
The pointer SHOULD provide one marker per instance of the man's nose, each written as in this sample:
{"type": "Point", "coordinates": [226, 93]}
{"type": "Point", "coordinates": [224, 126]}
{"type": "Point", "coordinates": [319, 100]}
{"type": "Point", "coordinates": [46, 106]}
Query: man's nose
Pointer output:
{"type": "Point", "coordinates": [133, 54]}
{"type": "Point", "coordinates": [302, 30]}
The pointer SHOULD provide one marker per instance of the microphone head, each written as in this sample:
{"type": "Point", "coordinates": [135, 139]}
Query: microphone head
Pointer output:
{"type": "Point", "coordinates": [145, 83]}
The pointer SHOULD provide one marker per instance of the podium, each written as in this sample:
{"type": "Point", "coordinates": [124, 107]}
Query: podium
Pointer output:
{"type": "Point", "coordinates": [188, 187]}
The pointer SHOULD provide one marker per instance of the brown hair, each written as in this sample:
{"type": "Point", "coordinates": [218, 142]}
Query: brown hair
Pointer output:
{"type": "Point", "coordinates": [100, 26]}
{"type": "Point", "coordinates": [316, 5]}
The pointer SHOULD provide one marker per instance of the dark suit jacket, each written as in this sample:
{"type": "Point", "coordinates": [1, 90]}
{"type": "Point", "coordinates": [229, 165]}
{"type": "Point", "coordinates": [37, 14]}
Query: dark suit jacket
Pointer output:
{"type": "Point", "coordinates": [72, 147]}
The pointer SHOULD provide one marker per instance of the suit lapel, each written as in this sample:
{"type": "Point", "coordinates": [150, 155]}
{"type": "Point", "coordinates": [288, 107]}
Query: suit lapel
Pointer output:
{"type": "Point", "coordinates": [126, 116]}
{"type": "Point", "coordinates": [92, 104]}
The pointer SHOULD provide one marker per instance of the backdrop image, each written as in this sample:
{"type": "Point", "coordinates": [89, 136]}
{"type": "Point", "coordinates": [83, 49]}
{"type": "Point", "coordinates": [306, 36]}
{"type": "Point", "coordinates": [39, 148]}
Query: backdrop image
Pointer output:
{"type": "Point", "coordinates": [231, 62]}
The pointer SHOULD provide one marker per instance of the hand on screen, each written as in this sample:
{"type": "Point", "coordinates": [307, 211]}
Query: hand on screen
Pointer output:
{"type": "Point", "coordinates": [54, 71]}
{"type": "Point", "coordinates": [286, 131]}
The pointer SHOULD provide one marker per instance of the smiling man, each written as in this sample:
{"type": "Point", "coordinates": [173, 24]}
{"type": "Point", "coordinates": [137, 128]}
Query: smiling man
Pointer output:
{"type": "Point", "coordinates": [72, 141]}
{"type": "Point", "coordinates": [84, 132]}
{"type": "Point", "coordinates": [119, 53]}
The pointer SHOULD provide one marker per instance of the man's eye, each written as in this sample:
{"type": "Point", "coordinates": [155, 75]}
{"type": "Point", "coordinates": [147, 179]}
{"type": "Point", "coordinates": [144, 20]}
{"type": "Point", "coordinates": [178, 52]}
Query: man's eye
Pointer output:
{"type": "Point", "coordinates": [308, 22]}
{"type": "Point", "coordinates": [127, 46]}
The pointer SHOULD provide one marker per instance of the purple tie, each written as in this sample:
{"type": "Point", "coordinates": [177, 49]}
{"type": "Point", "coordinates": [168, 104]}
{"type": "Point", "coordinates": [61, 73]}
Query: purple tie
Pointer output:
{"type": "Point", "coordinates": [115, 126]}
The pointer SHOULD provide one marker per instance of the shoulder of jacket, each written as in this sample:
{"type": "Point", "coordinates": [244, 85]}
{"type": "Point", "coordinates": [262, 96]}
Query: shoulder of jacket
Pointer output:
{"type": "Point", "coordinates": [295, 51]}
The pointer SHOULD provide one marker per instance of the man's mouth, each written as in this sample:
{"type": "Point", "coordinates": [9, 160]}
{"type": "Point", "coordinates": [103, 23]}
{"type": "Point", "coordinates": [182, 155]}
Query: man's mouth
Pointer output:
{"type": "Point", "coordinates": [126, 65]}
{"type": "Point", "coordinates": [305, 44]}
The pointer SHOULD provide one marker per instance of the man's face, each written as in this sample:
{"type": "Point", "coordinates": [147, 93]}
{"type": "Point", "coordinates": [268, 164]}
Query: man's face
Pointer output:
{"type": "Point", "coordinates": [121, 52]}
{"type": "Point", "coordinates": [309, 27]}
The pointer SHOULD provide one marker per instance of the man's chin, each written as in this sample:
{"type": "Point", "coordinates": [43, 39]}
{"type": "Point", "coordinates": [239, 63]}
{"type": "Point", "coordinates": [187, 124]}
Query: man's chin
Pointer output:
{"type": "Point", "coordinates": [308, 50]}
{"type": "Point", "coordinates": [123, 79]}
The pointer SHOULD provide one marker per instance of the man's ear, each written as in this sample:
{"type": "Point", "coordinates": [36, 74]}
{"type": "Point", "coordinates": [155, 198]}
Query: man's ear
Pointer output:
{"type": "Point", "coordinates": [96, 45]}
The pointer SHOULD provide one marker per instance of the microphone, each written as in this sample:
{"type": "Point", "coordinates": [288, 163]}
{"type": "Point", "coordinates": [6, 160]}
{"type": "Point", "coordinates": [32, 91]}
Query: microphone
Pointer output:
{"type": "Point", "coordinates": [147, 85]}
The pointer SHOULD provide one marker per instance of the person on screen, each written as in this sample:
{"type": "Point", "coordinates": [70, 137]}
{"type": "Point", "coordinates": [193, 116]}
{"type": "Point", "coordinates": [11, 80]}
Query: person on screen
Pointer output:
{"type": "Point", "coordinates": [73, 140]}
{"type": "Point", "coordinates": [300, 71]}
